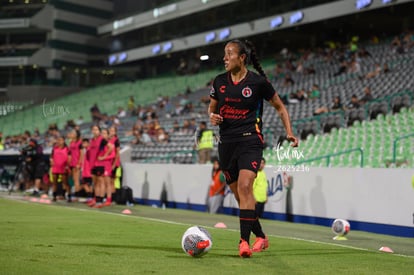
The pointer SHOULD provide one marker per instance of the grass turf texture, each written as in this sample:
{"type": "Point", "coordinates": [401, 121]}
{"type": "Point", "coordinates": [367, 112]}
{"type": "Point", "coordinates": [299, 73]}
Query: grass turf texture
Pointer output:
{"type": "Point", "coordinates": [73, 239]}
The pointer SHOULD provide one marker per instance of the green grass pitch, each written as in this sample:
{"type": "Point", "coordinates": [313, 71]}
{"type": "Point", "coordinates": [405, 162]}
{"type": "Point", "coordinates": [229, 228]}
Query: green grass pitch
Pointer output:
{"type": "Point", "coordinates": [74, 239]}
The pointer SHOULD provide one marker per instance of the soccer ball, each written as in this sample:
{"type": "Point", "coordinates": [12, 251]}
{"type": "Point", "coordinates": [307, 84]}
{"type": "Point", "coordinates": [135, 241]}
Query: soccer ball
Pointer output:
{"type": "Point", "coordinates": [196, 241]}
{"type": "Point", "coordinates": [340, 227]}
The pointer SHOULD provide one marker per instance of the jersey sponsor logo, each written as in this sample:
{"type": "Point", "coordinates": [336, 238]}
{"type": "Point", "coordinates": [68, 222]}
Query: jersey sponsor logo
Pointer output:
{"type": "Point", "coordinates": [222, 89]}
{"type": "Point", "coordinates": [247, 92]}
{"type": "Point", "coordinates": [231, 99]}
{"type": "Point", "coordinates": [232, 113]}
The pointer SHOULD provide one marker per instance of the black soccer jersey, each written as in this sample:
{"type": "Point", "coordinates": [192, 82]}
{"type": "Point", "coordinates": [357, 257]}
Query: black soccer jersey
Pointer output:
{"type": "Point", "coordinates": [241, 105]}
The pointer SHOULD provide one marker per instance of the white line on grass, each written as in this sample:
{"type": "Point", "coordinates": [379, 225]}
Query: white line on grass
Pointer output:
{"type": "Point", "coordinates": [234, 230]}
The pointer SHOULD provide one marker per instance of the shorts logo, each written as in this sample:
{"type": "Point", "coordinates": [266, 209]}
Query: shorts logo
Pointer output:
{"type": "Point", "coordinates": [254, 164]}
{"type": "Point", "coordinates": [222, 89]}
{"type": "Point", "coordinates": [247, 92]}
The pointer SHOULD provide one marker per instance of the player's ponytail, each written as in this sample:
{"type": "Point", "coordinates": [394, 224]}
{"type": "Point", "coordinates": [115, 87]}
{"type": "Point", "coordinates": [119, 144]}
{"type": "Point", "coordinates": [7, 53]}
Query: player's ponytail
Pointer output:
{"type": "Point", "coordinates": [252, 57]}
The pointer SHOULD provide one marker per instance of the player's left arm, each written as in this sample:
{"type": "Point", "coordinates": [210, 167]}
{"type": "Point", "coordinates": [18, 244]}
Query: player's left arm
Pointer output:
{"type": "Point", "coordinates": [284, 116]}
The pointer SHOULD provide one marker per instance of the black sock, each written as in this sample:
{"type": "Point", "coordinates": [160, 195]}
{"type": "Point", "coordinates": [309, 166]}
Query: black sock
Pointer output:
{"type": "Point", "coordinates": [247, 220]}
{"type": "Point", "coordinates": [257, 229]}
{"type": "Point", "coordinates": [54, 195]}
{"type": "Point", "coordinates": [90, 194]}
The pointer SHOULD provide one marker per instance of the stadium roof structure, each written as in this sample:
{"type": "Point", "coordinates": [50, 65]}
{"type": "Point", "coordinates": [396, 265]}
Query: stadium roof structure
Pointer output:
{"type": "Point", "coordinates": [271, 23]}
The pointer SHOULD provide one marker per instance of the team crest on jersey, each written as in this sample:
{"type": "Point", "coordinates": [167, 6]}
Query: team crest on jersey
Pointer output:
{"type": "Point", "coordinates": [222, 89]}
{"type": "Point", "coordinates": [247, 92]}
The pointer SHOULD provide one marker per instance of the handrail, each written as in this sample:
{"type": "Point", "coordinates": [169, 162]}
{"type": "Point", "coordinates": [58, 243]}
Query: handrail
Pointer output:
{"type": "Point", "coordinates": [169, 156]}
{"type": "Point", "coordinates": [328, 156]}
{"type": "Point", "coordinates": [394, 148]}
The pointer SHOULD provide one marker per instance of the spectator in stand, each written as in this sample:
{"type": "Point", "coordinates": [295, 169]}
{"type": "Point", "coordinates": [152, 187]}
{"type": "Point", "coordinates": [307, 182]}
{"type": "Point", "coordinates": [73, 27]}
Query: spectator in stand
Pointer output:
{"type": "Point", "coordinates": [367, 96]}
{"type": "Point", "coordinates": [342, 68]}
{"type": "Point", "coordinates": [95, 113]}
{"type": "Point", "coordinates": [145, 137]}
{"type": "Point", "coordinates": [310, 70]}
{"type": "Point", "coordinates": [355, 67]}
{"type": "Point", "coordinates": [297, 97]}
{"type": "Point", "coordinates": [186, 128]}
{"type": "Point", "coordinates": [193, 125]}
{"type": "Point", "coordinates": [374, 73]}
{"type": "Point", "coordinates": [354, 103]}
{"type": "Point", "coordinates": [79, 121]}
{"type": "Point", "coordinates": [314, 93]}
{"type": "Point", "coordinates": [336, 106]}
{"type": "Point", "coordinates": [162, 136]}
{"type": "Point", "coordinates": [131, 104]}
{"type": "Point", "coordinates": [299, 67]}
{"type": "Point", "coordinates": [364, 53]}
{"type": "Point", "coordinates": [288, 81]}
{"type": "Point", "coordinates": [205, 143]}
{"type": "Point", "coordinates": [121, 113]}
{"type": "Point", "coordinates": [176, 127]}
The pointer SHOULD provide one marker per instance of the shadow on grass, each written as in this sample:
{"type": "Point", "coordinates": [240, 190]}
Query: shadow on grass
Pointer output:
{"type": "Point", "coordinates": [177, 250]}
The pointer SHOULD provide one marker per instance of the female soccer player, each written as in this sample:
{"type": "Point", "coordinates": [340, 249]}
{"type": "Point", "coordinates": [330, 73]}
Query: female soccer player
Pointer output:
{"type": "Point", "coordinates": [236, 105]}
{"type": "Point", "coordinates": [59, 164]}
{"type": "Point", "coordinates": [94, 144]}
{"type": "Point", "coordinates": [75, 146]}
{"type": "Point", "coordinates": [103, 166]}
{"type": "Point", "coordinates": [116, 163]}
{"type": "Point", "coordinates": [86, 169]}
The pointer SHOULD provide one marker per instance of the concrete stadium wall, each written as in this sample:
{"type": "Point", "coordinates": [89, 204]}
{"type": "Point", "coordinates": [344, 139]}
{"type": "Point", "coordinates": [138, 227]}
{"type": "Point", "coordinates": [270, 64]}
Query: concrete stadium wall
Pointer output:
{"type": "Point", "coordinates": [37, 94]}
{"type": "Point", "coordinates": [375, 200]}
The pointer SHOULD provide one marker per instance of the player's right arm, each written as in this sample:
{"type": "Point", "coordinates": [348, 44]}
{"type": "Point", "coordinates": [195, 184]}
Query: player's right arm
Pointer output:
{"type": "Point", "coordinates": [215, 119]}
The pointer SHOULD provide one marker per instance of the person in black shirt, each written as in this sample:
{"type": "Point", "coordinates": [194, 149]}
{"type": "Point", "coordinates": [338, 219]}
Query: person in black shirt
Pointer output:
{"type": "Point", "coordinates": [36, 165]}
{"type": "Point", "coordinates": [236, 105]}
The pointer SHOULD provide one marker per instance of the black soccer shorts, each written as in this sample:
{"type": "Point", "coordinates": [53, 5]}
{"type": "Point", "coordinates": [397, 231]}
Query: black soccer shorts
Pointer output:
{"type": "Point", "coordinates": [240, 155]}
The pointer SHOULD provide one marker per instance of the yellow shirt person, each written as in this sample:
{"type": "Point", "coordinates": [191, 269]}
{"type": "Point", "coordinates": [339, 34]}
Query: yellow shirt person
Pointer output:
{"type": "Point", "coordinates": [260, 189]}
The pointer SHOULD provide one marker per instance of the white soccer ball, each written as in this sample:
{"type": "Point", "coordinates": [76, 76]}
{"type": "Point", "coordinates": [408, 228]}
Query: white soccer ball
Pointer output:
{"type": "Point", "coordinates": [196, 241]}
{"type": "Point", "coordinates": [341, 227]}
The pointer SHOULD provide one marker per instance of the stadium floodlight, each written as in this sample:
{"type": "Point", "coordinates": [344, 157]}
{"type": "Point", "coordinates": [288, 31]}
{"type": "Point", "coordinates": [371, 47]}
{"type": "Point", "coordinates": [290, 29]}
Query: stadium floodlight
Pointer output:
{"type": "Point", "coordinates": [112, 59]}
{"type": "Point", "coordinates": [122, 57]}
{"type": "Point", "coordinates": [387, 1]}
{"type": "Point", "coordinates": [361, 4]}
{"type": "Point", "coordinates": [211, 36]}
{"type": "Point", "coordinates": [296, 17]}
{"type": "Point", "coordinates": [167, 47]}
{"type": "Point", "coordinates": [276, 22]}
{"type": "Point", "coordinates": [204, 57]}
{"type": "Point", "coordinates": [156, 49]}
{"type": "Point", "coordinates": [225, 33]}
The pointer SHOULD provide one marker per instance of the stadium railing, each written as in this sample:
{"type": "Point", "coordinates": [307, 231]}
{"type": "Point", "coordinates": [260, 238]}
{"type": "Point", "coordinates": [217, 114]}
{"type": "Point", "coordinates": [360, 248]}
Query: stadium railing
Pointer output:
{"type": "Point", "coordinates": [328, 157]}
{"type": "Point", "coordinates": [394, 147]}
